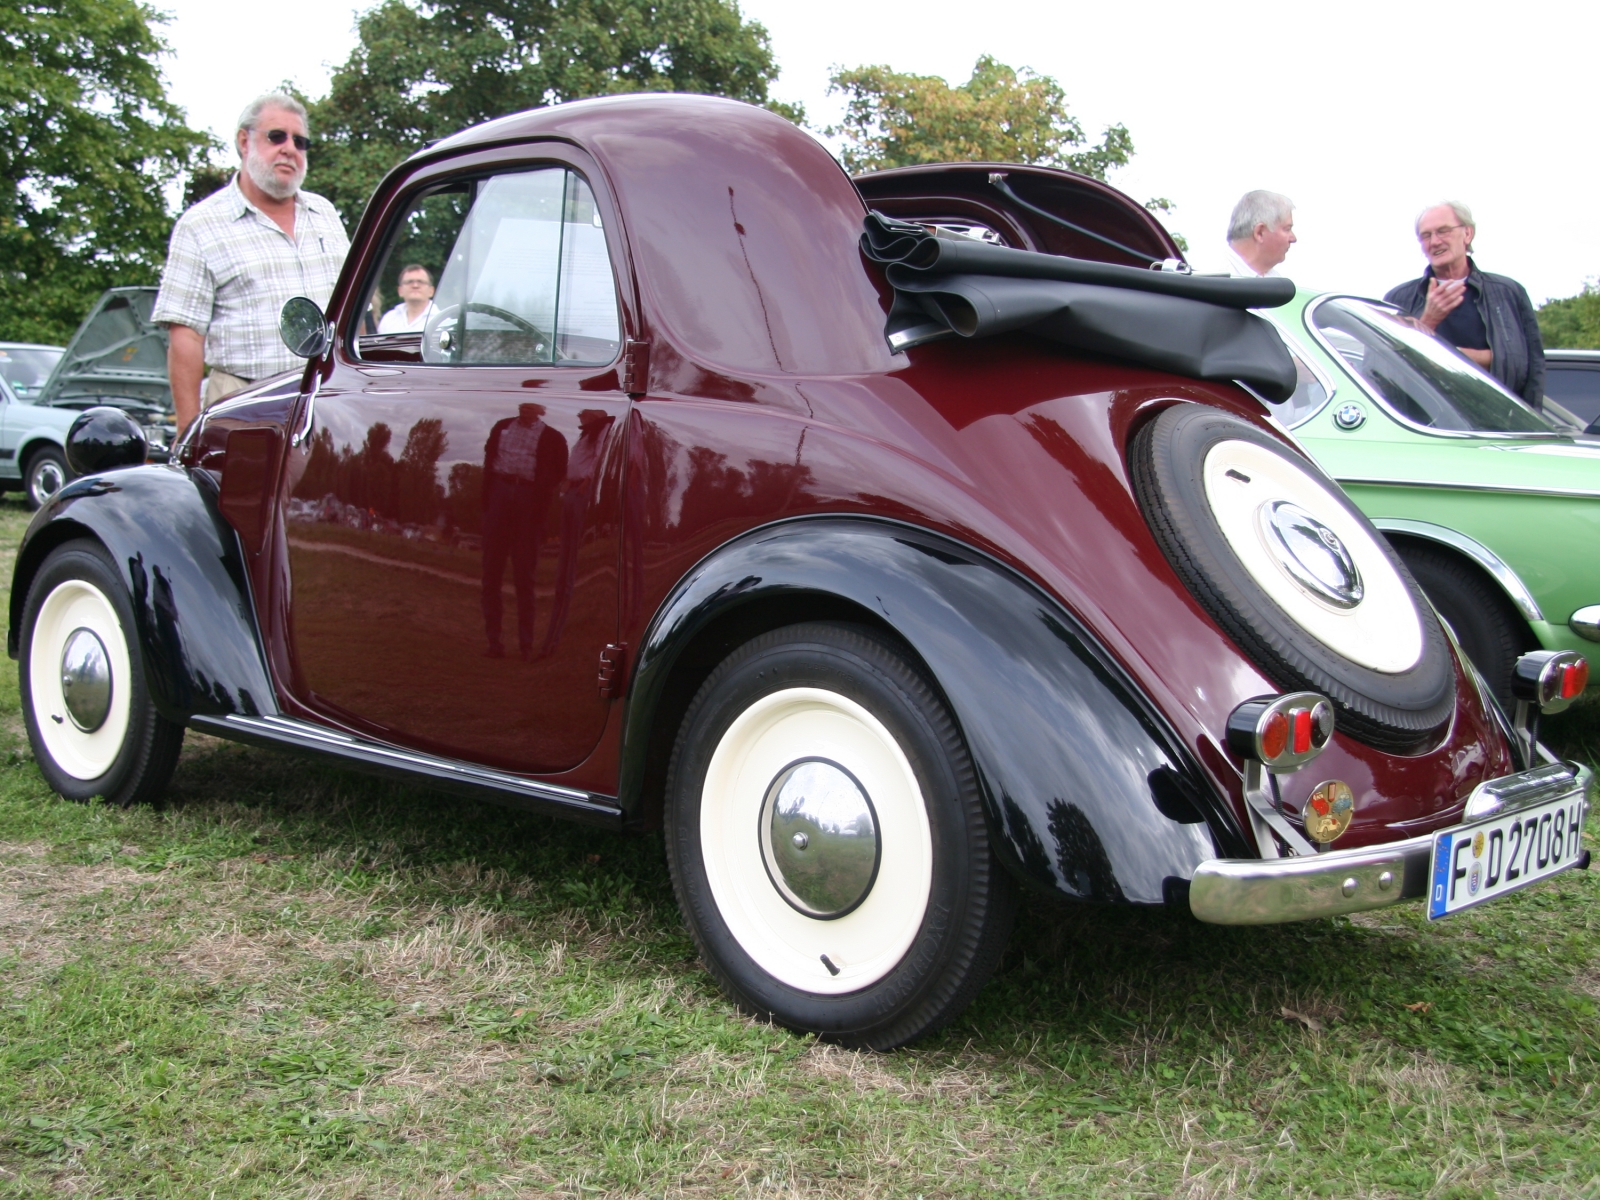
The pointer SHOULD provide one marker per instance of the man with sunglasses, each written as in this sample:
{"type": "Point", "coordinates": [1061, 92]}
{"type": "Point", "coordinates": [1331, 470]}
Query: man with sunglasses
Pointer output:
{"type": "Point", "coordinates": [237, 255]}
{"type": "Point", "coordinates": [1487, 318]}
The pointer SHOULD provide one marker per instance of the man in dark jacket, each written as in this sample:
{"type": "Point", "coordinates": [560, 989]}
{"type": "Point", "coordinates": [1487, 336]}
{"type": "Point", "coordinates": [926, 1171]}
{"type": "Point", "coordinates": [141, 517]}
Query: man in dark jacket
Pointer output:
{"type": "Point", "coordinates": [524, 462]}
{"type": "Point", "coordinates": [1488, 318]}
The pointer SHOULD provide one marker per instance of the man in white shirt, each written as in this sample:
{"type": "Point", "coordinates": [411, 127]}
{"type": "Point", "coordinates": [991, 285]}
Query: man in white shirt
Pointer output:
{"type": "Point", "coordinates": [1260, 233]}
{"type": "Point", "coordinates": [237, 255]}
{"type": "Point", "coordinates": [416, 302]}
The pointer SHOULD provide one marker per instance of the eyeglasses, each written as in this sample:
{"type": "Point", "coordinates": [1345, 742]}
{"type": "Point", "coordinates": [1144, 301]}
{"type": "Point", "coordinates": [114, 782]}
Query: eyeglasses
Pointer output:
{"type": "Point", "coordinates": [279, 136]}
{"type": "Point", "coordinates": [1427, 235]}
{"type": "Point", "coordinates": [415, 281]}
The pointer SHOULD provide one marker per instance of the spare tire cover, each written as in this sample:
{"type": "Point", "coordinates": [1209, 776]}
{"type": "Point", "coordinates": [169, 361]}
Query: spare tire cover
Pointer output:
{"type": "Point", "coordinates": [1294, 573]}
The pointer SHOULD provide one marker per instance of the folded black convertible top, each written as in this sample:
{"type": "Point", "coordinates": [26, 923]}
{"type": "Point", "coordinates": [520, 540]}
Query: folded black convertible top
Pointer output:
{"type": "Point", "coordinates": [1187, 324]}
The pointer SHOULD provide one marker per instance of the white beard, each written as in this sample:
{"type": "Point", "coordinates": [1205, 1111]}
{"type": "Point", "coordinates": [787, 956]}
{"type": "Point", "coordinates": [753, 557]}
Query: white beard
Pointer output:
{"type": "Point", "coordinates": [264, 177]}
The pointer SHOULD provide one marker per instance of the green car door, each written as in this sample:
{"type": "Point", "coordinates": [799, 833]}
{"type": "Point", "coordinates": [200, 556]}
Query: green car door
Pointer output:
{"type": "Point", "coordinates": [1495, 511]}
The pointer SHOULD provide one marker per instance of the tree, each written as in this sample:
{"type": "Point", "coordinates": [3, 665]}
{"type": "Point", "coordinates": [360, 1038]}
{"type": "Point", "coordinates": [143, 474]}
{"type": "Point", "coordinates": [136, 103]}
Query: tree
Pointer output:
{"type": "Point", "coordinates": [999, 115]}
{"type": "Point", "coordinates": [1572, 323]}
{"type": "Point", "coordinates": [423, 70]}
{"type": "Point", "coordinates": [88, 144]}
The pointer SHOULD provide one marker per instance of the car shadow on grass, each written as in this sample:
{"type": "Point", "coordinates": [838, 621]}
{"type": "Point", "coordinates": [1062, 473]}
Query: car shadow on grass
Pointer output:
{"type": "Point", "coordinates": [1491, 990]}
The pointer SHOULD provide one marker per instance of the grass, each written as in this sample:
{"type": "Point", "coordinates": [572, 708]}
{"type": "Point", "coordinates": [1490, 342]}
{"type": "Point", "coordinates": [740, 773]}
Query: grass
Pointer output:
{"type": "Point", "coordinates": [293, 981]}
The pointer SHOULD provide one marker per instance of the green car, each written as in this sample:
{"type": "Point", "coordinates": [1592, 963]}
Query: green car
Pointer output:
{"type": "Point", "coordinates": [1495, 510]}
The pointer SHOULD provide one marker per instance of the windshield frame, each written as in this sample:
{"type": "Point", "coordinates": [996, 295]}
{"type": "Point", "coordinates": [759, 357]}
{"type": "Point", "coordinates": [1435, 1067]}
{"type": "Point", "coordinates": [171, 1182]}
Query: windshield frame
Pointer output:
{"type": "Point", "coordinates": [1322, 341]}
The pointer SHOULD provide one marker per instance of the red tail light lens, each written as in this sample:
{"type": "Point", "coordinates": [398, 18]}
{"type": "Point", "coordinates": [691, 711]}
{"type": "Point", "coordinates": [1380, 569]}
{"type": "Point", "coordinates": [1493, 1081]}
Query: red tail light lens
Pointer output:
{"type": "Point", "coordinates": [1574, 678]}
{"type": "Point", "coordinates": [1281, 732]}
{"type": "Point", "coordinates": [1550, 679]}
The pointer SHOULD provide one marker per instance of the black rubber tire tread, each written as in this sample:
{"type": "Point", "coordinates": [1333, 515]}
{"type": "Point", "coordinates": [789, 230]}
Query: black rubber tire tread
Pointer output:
{"type": "Point", "coordinates": [1490, 630]}
{"type": "Point", "coordinates": [143, 767]}
{"type": "Point", "coordinates": [962, 938]}
{"type": "Point", "coordinates": [1401, 713]}
{"type": "Point", "coordinates": [44, 451]}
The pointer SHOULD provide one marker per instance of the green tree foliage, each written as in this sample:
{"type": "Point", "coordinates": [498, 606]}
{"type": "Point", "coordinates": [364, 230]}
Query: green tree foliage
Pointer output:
{"type": "Point", "coordinates": [1572, 323]}
{"type": "Point", "coordinates": [999, 115]}
{"type": "Point", "coordinates": [424, 70]}
{"type": "Point", "coordinates": [88, 143]}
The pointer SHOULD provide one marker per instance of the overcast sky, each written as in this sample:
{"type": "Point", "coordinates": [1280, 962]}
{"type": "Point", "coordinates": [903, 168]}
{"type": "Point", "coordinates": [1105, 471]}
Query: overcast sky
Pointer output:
{"type": "Point", "coordinates": [1361, 112]}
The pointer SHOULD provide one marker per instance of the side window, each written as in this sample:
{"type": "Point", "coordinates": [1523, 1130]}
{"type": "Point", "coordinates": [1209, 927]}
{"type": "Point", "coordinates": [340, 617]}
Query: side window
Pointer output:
{"type": "Point", "coordinates": [509, 270]}
{"type": "Point", "coordinates": [1309, 393]}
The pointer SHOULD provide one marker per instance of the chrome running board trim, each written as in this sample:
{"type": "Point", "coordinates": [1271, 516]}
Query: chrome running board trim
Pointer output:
{"type": "Point", "coordinates": [290, 734]}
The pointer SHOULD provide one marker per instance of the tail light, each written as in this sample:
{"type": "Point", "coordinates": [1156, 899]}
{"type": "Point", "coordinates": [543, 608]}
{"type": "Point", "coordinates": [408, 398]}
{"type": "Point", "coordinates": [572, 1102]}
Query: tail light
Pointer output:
{"type": "Point", "coordinates": [1550, 679]}
{"type": "Point", "coordinates": [1281, 732]}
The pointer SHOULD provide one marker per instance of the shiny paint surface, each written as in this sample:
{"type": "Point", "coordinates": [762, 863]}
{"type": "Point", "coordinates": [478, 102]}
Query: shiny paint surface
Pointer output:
{"type": "Point", "coordinates": [184, 574]}
{"type": "Point", "coordinates": [770, 397]}
{"type": "Point", "coordinates": [1075, 770]}
{"type": "Point", "coordinates": [1533, 502]}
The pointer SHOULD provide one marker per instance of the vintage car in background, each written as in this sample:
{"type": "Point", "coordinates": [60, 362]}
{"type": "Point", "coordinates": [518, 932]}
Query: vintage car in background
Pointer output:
{"type": "Point", "coordinates": [1493, 508]}
{"type": "Point", "coordinates": [24, 366]}
{"type": "Point", "coordinates": [32, 459]}
{"type": "Point", "coordinates": [118, 357]}
{"type": "Point", "coordinates": [1572, 380]}
{"type": "Point", "coordinates": [885, 568]}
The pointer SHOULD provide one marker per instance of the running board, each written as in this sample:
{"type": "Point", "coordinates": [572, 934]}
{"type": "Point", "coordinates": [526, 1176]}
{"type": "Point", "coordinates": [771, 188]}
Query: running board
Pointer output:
{"type": "Point", "coordinates": [288, 734]}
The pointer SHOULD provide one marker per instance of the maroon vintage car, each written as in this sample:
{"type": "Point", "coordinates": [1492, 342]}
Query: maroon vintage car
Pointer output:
{"type": "Point", "coordinates": [888, 560]}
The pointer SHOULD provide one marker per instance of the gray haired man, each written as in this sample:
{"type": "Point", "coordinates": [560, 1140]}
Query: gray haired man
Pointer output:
{"type": "Point", "coordinates": [237, 255]}
{"type": "Point", "coordinates": [1260, 233]}
{"type": "Point", "coordinates": [1487, 318]}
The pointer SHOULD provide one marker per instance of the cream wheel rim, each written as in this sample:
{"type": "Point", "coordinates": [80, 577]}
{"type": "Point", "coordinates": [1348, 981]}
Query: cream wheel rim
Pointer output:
{"type": "Point", "coordinates": [1382, 630]}
{"type": "Point", "coordinates": [826, 956]}
{"type": "Point", "coordinates": [77, 605]}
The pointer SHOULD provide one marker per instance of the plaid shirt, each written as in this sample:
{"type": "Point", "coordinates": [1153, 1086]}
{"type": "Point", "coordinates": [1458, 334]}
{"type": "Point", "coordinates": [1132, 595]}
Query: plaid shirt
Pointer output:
{"type": "Point", "coordinates": [230, 268]}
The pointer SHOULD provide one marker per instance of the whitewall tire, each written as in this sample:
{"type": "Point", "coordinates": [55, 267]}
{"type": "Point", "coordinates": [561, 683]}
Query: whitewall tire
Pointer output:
{"type": "Point", "coordinates": [93, 728]}
{"type": "Point", "coordinates": [827, 839]}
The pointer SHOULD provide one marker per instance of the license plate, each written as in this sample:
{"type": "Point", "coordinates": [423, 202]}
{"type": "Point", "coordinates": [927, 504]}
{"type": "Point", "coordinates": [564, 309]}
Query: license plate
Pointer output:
{"type": "Point", "coordinates": [1504, 852]}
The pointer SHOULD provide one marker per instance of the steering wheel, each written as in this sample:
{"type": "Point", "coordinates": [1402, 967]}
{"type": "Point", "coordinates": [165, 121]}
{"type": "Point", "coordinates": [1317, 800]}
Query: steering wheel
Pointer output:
{"type": "Point", "coordinates": [445, 338]}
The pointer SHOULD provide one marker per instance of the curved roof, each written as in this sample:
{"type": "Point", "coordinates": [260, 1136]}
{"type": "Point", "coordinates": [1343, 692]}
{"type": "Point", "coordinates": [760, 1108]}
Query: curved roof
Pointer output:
{"type": "Point", "coordinates": [743, 228]}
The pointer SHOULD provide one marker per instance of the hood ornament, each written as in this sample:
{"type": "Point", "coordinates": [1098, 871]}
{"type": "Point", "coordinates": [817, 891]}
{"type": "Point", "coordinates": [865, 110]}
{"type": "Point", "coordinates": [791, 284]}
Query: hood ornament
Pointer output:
{"type": "Point", "coordinates": [1311, 554]}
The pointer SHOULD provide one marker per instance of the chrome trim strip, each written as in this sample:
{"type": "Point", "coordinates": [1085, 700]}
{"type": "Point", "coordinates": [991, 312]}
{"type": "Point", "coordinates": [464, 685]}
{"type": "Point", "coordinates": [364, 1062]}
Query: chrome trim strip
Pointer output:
{"type": "Point", "coordinates": [1235, 891]}
{"type": "Point", "coordinates": [303, 735]}
{"type": "Point", "coordinates": [1509, 582]}
{"type": "Point", "coordinates": [1459, 485]}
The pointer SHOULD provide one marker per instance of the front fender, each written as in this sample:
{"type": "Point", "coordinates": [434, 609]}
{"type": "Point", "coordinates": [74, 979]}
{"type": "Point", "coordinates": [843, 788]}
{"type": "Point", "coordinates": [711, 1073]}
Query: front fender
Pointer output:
{"type": "Point", "coordinates": [183, 570]}
{"type": "Point", "coordinates": [1087, 791]}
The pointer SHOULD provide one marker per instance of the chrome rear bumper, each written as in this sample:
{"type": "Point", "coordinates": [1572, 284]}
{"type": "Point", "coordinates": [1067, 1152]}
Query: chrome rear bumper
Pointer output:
{"type": "Point", "coordinates": [1270, 891]}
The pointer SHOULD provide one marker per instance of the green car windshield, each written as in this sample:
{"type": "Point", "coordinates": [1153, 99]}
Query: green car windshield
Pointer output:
{"type": "Point", "coordinates": [1419, 378]}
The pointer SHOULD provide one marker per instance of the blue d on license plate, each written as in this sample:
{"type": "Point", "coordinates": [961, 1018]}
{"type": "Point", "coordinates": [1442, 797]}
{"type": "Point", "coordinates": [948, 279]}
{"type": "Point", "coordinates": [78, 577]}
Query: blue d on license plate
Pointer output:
{"type": "Point", "coordinates": [1503, 852]}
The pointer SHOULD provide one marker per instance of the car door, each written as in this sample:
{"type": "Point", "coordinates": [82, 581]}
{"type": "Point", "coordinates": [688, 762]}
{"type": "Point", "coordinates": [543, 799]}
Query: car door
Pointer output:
{"type": "Point", "coordinates": [453, 516]}
{"type": "Point", "coordinates": [10, 430]}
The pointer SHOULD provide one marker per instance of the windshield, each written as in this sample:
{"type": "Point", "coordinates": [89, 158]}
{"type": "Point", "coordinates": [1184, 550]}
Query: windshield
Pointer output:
{"type": "Point", "coordinates": [26, 368]}
{"type": "Point", "coordinates": [1421, 380]}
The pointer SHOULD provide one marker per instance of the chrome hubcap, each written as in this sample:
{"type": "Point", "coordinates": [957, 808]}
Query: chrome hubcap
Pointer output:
{"type": "Point", "coordinates": [819, 838]}
{"type": "Point", "coordinates": [47, 480]}
{"type": "Point", "coordinates": [1311, 554]}
{"type": "Point", "coordinates": [86, 680]}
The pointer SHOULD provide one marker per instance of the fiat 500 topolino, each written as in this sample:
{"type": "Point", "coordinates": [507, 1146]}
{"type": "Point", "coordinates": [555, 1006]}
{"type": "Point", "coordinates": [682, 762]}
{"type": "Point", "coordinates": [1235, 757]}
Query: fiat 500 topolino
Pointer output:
{"type": "Point", "coordinates": [887, 571]}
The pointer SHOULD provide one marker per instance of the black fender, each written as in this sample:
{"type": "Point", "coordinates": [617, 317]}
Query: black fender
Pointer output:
{"type": "Point", "coordinates": [185, 573]}
{"type": "Point", "coordinates": [1088, 792]}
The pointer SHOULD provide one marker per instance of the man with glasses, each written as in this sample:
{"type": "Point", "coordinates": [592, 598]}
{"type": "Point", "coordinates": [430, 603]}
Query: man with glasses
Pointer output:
{"type": "Point", "coordinates": [237, 255]}
{"type": "Point", "coordinates": [416, 302]}
{"type": "Point", "coordinates": [1488, 318]}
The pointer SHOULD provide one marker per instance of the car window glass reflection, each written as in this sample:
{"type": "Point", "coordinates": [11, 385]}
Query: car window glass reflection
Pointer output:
{"type": "Point", "coordinates": [1417, 376]}
{"type": "Point", "coordinates": [528, 280]}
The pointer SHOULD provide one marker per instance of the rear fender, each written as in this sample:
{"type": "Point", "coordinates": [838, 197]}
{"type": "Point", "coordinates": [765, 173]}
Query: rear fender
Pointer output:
{"type": "Point", "coordinates": [1087, 792]}
{"type": "Point", "coordinates": [184, 572]}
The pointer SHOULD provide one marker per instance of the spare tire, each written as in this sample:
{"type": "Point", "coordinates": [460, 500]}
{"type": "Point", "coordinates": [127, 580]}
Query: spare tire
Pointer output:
{"type": "Point", "coordinates": [1294, 573]}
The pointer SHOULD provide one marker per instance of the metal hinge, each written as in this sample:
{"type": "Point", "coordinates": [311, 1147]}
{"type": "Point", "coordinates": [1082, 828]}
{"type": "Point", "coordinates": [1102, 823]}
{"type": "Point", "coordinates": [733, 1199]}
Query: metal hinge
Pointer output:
{"type": "Point", "coordinates": [636, 368]}
{"type": "Point", "coordinates": [613, 673]}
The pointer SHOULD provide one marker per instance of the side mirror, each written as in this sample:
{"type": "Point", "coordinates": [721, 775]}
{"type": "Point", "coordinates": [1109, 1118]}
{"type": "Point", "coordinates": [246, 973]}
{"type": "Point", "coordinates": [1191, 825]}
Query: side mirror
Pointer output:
{"type": "Point", "coordinates": [303, 328]}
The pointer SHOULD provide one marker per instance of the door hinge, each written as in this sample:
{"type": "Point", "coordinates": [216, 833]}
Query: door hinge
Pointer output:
{"type": "Point", "coordinates": [613, 670]}
{"type": "Point", "coordinates": [636, 368]}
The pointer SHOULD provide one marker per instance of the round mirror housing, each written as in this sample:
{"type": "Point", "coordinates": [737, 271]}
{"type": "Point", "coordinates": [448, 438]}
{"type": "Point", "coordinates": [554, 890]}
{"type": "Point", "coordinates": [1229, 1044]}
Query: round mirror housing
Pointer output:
{"type": "Point", "coordinates": [104, 439]}
{"type": "Point", "coordinates": [302, 327]}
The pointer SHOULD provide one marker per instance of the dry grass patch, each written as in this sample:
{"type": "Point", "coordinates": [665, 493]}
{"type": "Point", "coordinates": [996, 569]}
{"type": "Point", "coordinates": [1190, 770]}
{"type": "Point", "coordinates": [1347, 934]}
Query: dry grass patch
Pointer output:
{"type": "Point", "coordinates": [40, 902]}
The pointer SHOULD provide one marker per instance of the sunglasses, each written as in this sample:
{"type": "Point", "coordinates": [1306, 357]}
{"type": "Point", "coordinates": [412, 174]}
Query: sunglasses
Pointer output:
{"type": "Point", "coordinates": [279, 136]}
